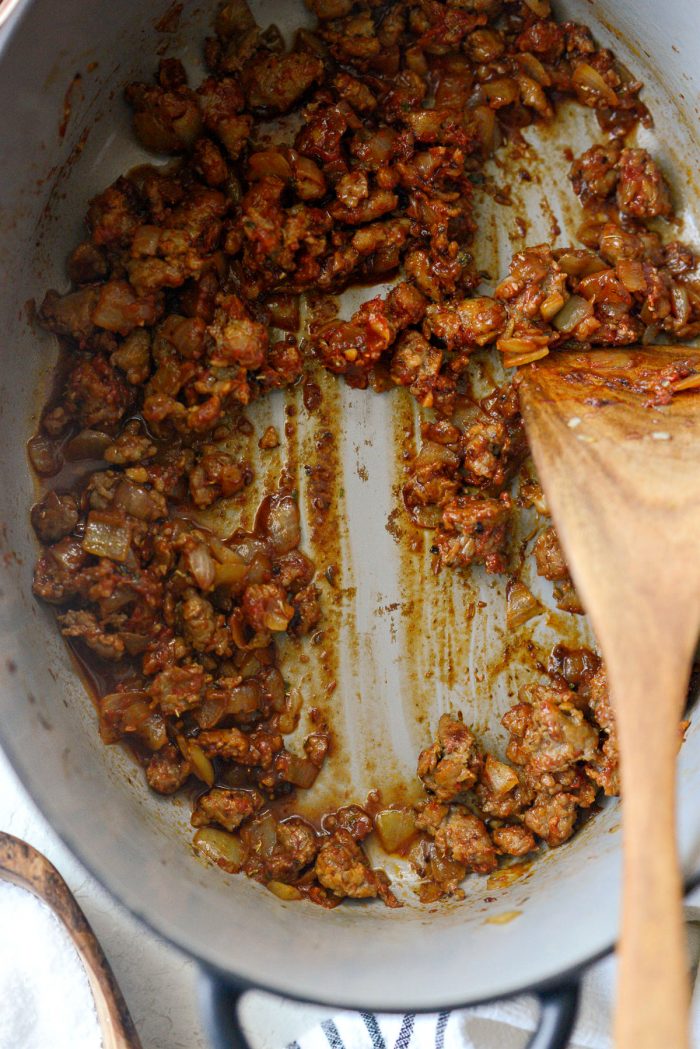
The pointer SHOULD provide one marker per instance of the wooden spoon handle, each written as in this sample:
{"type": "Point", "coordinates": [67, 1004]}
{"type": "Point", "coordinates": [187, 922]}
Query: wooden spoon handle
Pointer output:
{"type": "Point", "coordinates": [22, 864]}
{"type": "Point", "coordinates": [653, 996]}
{"type": "Point", "coordinates": [653, 985]}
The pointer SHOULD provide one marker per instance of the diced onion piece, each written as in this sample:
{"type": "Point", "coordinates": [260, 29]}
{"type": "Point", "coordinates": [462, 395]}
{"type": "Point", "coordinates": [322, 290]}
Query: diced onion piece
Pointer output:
{"type": "Point", "coordinates": [113, 709]}
{"type": "Point", "coordinates": [119, 310]}
{"type": "Point", "coordinates": [268, 162]}
{"type": "Point", "coordinates": [107, 535]}
{"type": "Point", "coordinates": [485, 120]}
{"type": "Point", "coordinates": [575, 310]}
{"type": "Point", "coordinates": [579, 263]}
{"type": "Point", "coordinates": [444, 870]}
{"type": "Point", "coordinates": [147, 724]}
{"type": "Point", "coordinates": [631, 273]}
{"type": "Point", "coordinates": [262, 834]}
{"type": "Point", "coordinates": [681, 304]}
{"type": "Point", "coordinates": [519, 360]}
{"type": "Point", "coordinates": [519, 351]}
{"type": "Point", "coordinates": [115, 702]}
{"type": "Point", "coordinates": [272, 683]}
{"type": "Point", "coordinates": [136, 500]}
{"type": "Point", "coordinates": [233, 19]}
{"type": "Point", "coordinates": [44, 455]}
{"type": "Point", "coordinates": [433, 454]}
{"type": "Point", "coordinates": [552, 305]}
{"type": "Point", "coordinates": [426, 165]}
{"type": "Point", "coordinates": [229, 567]}
{"type": "Point", "coordinates": [121, 596]}
{"type": "Point", "coordinates": [231, 573]}
{"type": "Point", "coordinates": [201, 765]}
{"type": "Point", "coordinates": [586, 328]}
{"type": "Point", "coordinates": [301, 772]}
{"type": "Point", "coordinates": [500, 778]}
{"type": "Point", "coordinates": [277, 615]}
{"type": "Point", "coordinates": [68, 554]}
{"type": "Point", "coordinates": [589, 80]}
{"type": "Point", "coordinates": [532, 95]}
{"type": "Point", "coordinates": [691, 382]}
{"type": "Point", "coordinates": [226, 850]}
{"type": "Point", "coordinates": [88, 444]}
{"type": "Point", "coordinates": [526, 344]}
{"type": "Point", "coordinates": [395, 828]}
{"type": "Point", "coordinates": [134, 643]}
{"type": "Point", "coordinates": [246, 548]}
{"type": "Point", "coordinates": [289, 718]}
{"type": "Point", "coordinates": [426, 516]}
{"type": "Point", "coordinates": [521, 605]}
{"type": "Point", "coordinates": [250, 666]}
{"type": "Point", "coordinates": [597, 287]}
{"type": "Point", "coordinates": [534, 68]}
{"type": "Point", "coordinates": [131, 712]}
{"type": "Point", "coordinates": [540, 7]}
{"type": "Point", "coordinates": [425, 123]}
{"type": "Point", "coordinates": [500, 92]}
{"type": "Point", "coordinates": [651, 333]}
{"type": "Point", "coordinates": [244, 698]}
{"type": "Point", "coordinates": [308, 41]}
{"type": "Point", "coordinates": [280, 521]}
{"type": "Point", "coordinates": [211, 711]}
{"type": "Point", "coordinates": [590, 231]}
{"type": "Point", "coordinates": [282, 891]}
{"type": "Point", "coordinates": [201, 566]}
{"type": "Point", "coordinates": [429, 892]}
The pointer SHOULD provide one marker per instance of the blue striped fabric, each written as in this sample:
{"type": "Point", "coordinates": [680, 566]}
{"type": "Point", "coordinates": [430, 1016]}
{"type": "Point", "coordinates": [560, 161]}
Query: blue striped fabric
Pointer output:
{"type": "Point", "coordinates": [404, 1038]}
{"type": "Point", "coordinates": [370, 1022]}
{"type": "Point", "coordinates": [440, 1030]}
{"type": "Point", "coordinates": [331, 1033]}
{"type": "Point", "coordinates": [363, 1031]}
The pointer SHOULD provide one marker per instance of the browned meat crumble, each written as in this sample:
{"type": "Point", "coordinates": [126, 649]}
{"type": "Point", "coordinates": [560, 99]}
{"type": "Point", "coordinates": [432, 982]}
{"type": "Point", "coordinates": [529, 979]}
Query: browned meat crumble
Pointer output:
{"type": "Point", "coordinates": [185, 307]}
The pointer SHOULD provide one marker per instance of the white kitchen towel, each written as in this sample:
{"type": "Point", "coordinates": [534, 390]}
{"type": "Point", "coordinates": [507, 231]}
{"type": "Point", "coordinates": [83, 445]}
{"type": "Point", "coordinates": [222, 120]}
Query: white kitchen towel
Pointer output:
{"type": "Point", "coordinates": [45, 998]}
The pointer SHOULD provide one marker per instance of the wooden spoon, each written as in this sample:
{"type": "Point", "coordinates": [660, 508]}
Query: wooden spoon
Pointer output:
{"type": "Point", "coordinates": [621, 472]}
{"type": "Point", "coordinates": [22, 864]}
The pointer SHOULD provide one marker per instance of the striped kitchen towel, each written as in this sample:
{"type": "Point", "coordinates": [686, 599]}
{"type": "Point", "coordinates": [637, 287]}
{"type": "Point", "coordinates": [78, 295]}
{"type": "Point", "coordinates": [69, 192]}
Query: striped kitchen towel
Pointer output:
{"type": "Point", "coordinates": [382, 1031]}
{"type": "Point", "coordinates": [499, 1025]}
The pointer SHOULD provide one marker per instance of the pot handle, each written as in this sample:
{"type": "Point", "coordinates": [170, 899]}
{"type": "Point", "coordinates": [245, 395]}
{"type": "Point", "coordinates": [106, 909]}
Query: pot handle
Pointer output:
{"type": "Point", "coordinates": [219, 1001]}
{"type": "Point", "coordinates": [558, 1010]}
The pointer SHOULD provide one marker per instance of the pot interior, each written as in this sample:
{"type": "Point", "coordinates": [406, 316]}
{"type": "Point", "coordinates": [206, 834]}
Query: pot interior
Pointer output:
{"type": "Point", "coordinates": [399, 648]}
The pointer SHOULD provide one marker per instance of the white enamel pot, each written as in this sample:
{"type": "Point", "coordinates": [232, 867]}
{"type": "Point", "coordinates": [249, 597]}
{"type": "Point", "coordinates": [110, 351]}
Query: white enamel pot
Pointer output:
{"type": "Point", "coordinates": [565, 910]}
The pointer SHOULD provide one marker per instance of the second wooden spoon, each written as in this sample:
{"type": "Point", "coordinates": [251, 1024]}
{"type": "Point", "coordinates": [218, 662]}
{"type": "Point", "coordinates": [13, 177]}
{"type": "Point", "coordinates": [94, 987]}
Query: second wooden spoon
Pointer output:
{"type": "Point", "coordinates": [22, 864]}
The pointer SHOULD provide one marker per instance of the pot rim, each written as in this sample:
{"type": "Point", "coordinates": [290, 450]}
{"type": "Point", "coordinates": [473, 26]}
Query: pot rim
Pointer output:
{"type": "Point", "coordinates": [12, 13]}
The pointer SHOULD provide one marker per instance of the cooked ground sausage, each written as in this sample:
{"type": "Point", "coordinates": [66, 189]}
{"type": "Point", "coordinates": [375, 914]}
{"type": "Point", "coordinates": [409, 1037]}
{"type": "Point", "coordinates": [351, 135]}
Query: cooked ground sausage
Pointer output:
{"type": "Point", "coordinates": [185, 307]}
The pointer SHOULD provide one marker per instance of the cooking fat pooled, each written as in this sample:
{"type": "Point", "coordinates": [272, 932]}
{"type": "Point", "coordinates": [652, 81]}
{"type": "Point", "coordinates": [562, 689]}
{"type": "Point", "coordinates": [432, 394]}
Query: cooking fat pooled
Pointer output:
{"type": "Point", "coordinates": [186, 305]}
